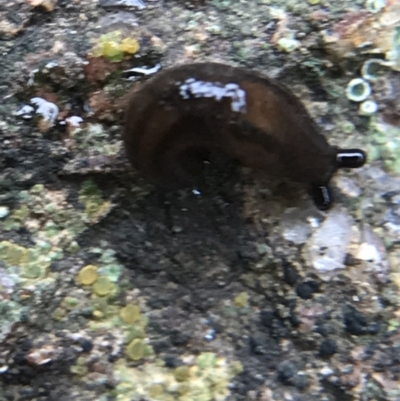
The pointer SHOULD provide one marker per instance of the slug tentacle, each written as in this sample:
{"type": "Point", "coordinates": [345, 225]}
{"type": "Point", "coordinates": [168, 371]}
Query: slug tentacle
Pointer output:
{"type": "Point", "coordinates": [176, 117]}
{"type": "Point", "coordinates": [350, 158]}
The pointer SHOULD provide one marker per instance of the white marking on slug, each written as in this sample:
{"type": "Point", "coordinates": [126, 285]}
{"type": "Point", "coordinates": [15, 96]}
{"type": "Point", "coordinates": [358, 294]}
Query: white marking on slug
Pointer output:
{"type": "Point", "coordinates": [216, 90]}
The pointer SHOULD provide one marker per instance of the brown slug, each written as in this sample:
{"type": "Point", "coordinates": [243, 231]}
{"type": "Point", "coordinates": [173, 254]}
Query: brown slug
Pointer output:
{"type": "Point", "coordinates": [178, 115]}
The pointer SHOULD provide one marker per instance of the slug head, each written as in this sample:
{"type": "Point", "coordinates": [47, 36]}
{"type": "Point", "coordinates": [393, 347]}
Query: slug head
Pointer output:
{"type": "Point", "coordinates": [345, 158]}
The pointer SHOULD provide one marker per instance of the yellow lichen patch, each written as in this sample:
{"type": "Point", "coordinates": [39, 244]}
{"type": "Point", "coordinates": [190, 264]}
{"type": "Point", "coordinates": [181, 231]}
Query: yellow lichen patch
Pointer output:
{"type": "Point", "coordinates": [95, 206]}
{"type": "Point", "coordinates": [155, 391]}
{"type": "Point", "coordinates": [236, 368]}
{"type": "Point", "coordinates": [182, 373]}
{"type": "Point", "coordinates": [208, 380]}
{"type": "Point", "coordinates": [114, 46]}
{"type": "Point", "coordinates": [136, 349]}
{"type": "Point", "coordinates": [12, 254]}
{"type": "Point", "coordinates": [88, 275]}
{"type": "Point", "coordinates": [33, 263]}
{"type": "Point", "coordinates": [103, 286]}
{"type": "Point", "coordinates": [130, 314]}
{"type": "Point", "coordinates": [130, 45]}
{"type": "Point", "coordinates": [242, 300]}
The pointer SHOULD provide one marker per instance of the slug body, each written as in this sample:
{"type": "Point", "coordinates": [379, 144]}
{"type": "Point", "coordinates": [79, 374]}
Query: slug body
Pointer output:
{"type": "Point", "coordinates": [180, 114]}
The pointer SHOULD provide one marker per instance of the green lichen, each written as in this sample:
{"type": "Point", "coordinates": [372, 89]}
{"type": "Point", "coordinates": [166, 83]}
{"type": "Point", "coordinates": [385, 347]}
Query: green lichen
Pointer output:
{"type": "Point", "coordinates": [95, 206]}
{"type": "Point", "coordinates": [138, 330]}
{"type": "Point", "coordinates": [207, 379]}
{"type": "Point", "coordinates": [136, 350]}
{"type": "Point", "coordinates": [103, 287]}
{"type": "Point", "coordinates": [32, 262]}
{"type": "Point", "coordinates": [80, 368]}
{"type": "Point", "coordinates": [288, 45]}
{"type": "Point", "coordinates": [93, 137]}
{"type": "Point", "coordinates": [385, 144]}
{"type": "Point", "coordinates": [11, 312]}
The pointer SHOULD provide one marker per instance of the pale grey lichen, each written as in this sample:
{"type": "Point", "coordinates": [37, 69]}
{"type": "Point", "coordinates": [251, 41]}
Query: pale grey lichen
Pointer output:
{"type": "Point", "coordinates": [368, 108]}
{"type": "Point", "coordinates": [373, 69]}
{"type": "Point", "coordinates": [358, 90]}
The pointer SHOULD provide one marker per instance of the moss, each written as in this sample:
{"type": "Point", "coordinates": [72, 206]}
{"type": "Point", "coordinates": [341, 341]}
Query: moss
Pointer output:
{"type": "Point", "coordinates": [88, 275]}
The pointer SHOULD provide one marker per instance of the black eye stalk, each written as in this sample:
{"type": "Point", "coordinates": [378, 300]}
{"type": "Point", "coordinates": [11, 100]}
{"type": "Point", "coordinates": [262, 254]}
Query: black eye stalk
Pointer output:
{"type": "Point", "coordinates": [350, 158]}
{"type": "Point", "coordinates": [345, 158]}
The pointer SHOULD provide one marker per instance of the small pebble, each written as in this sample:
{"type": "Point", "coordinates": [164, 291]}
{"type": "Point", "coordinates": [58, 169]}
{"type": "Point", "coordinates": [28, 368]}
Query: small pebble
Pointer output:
{"type": "Point", "coordinates": [4, 211]}
{"type": "Point", "coordinates": [328, 347]}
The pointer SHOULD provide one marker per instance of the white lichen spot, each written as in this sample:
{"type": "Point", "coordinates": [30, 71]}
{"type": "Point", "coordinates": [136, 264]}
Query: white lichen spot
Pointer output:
{"type": "Point", "coordinates": [74, 121]}
{"type": "Point", "coordinates": [215, 90]}
{"type": "Point", "coordinates": [288, 44]}
{"type": "Point", "coordinates": [50, 65]}
{"type": "Point", "coordinates": [373, 251]}
{"type": "Point", "coordinates": [368, 108]}
{"type": "Point", "coordinates": [48, 110]}
{"type": "Point", "coordinates": [373, 69]}
{"type": "Point", "coordinates": [143, 71]}
{"type": "Point", "coordinates": [32, 74]}
{"type": "Point", "coordinates": [25, 111]}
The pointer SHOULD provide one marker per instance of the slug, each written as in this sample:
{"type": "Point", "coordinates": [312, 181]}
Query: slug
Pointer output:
{"type": "Point", "coordinates": [180, 114]}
